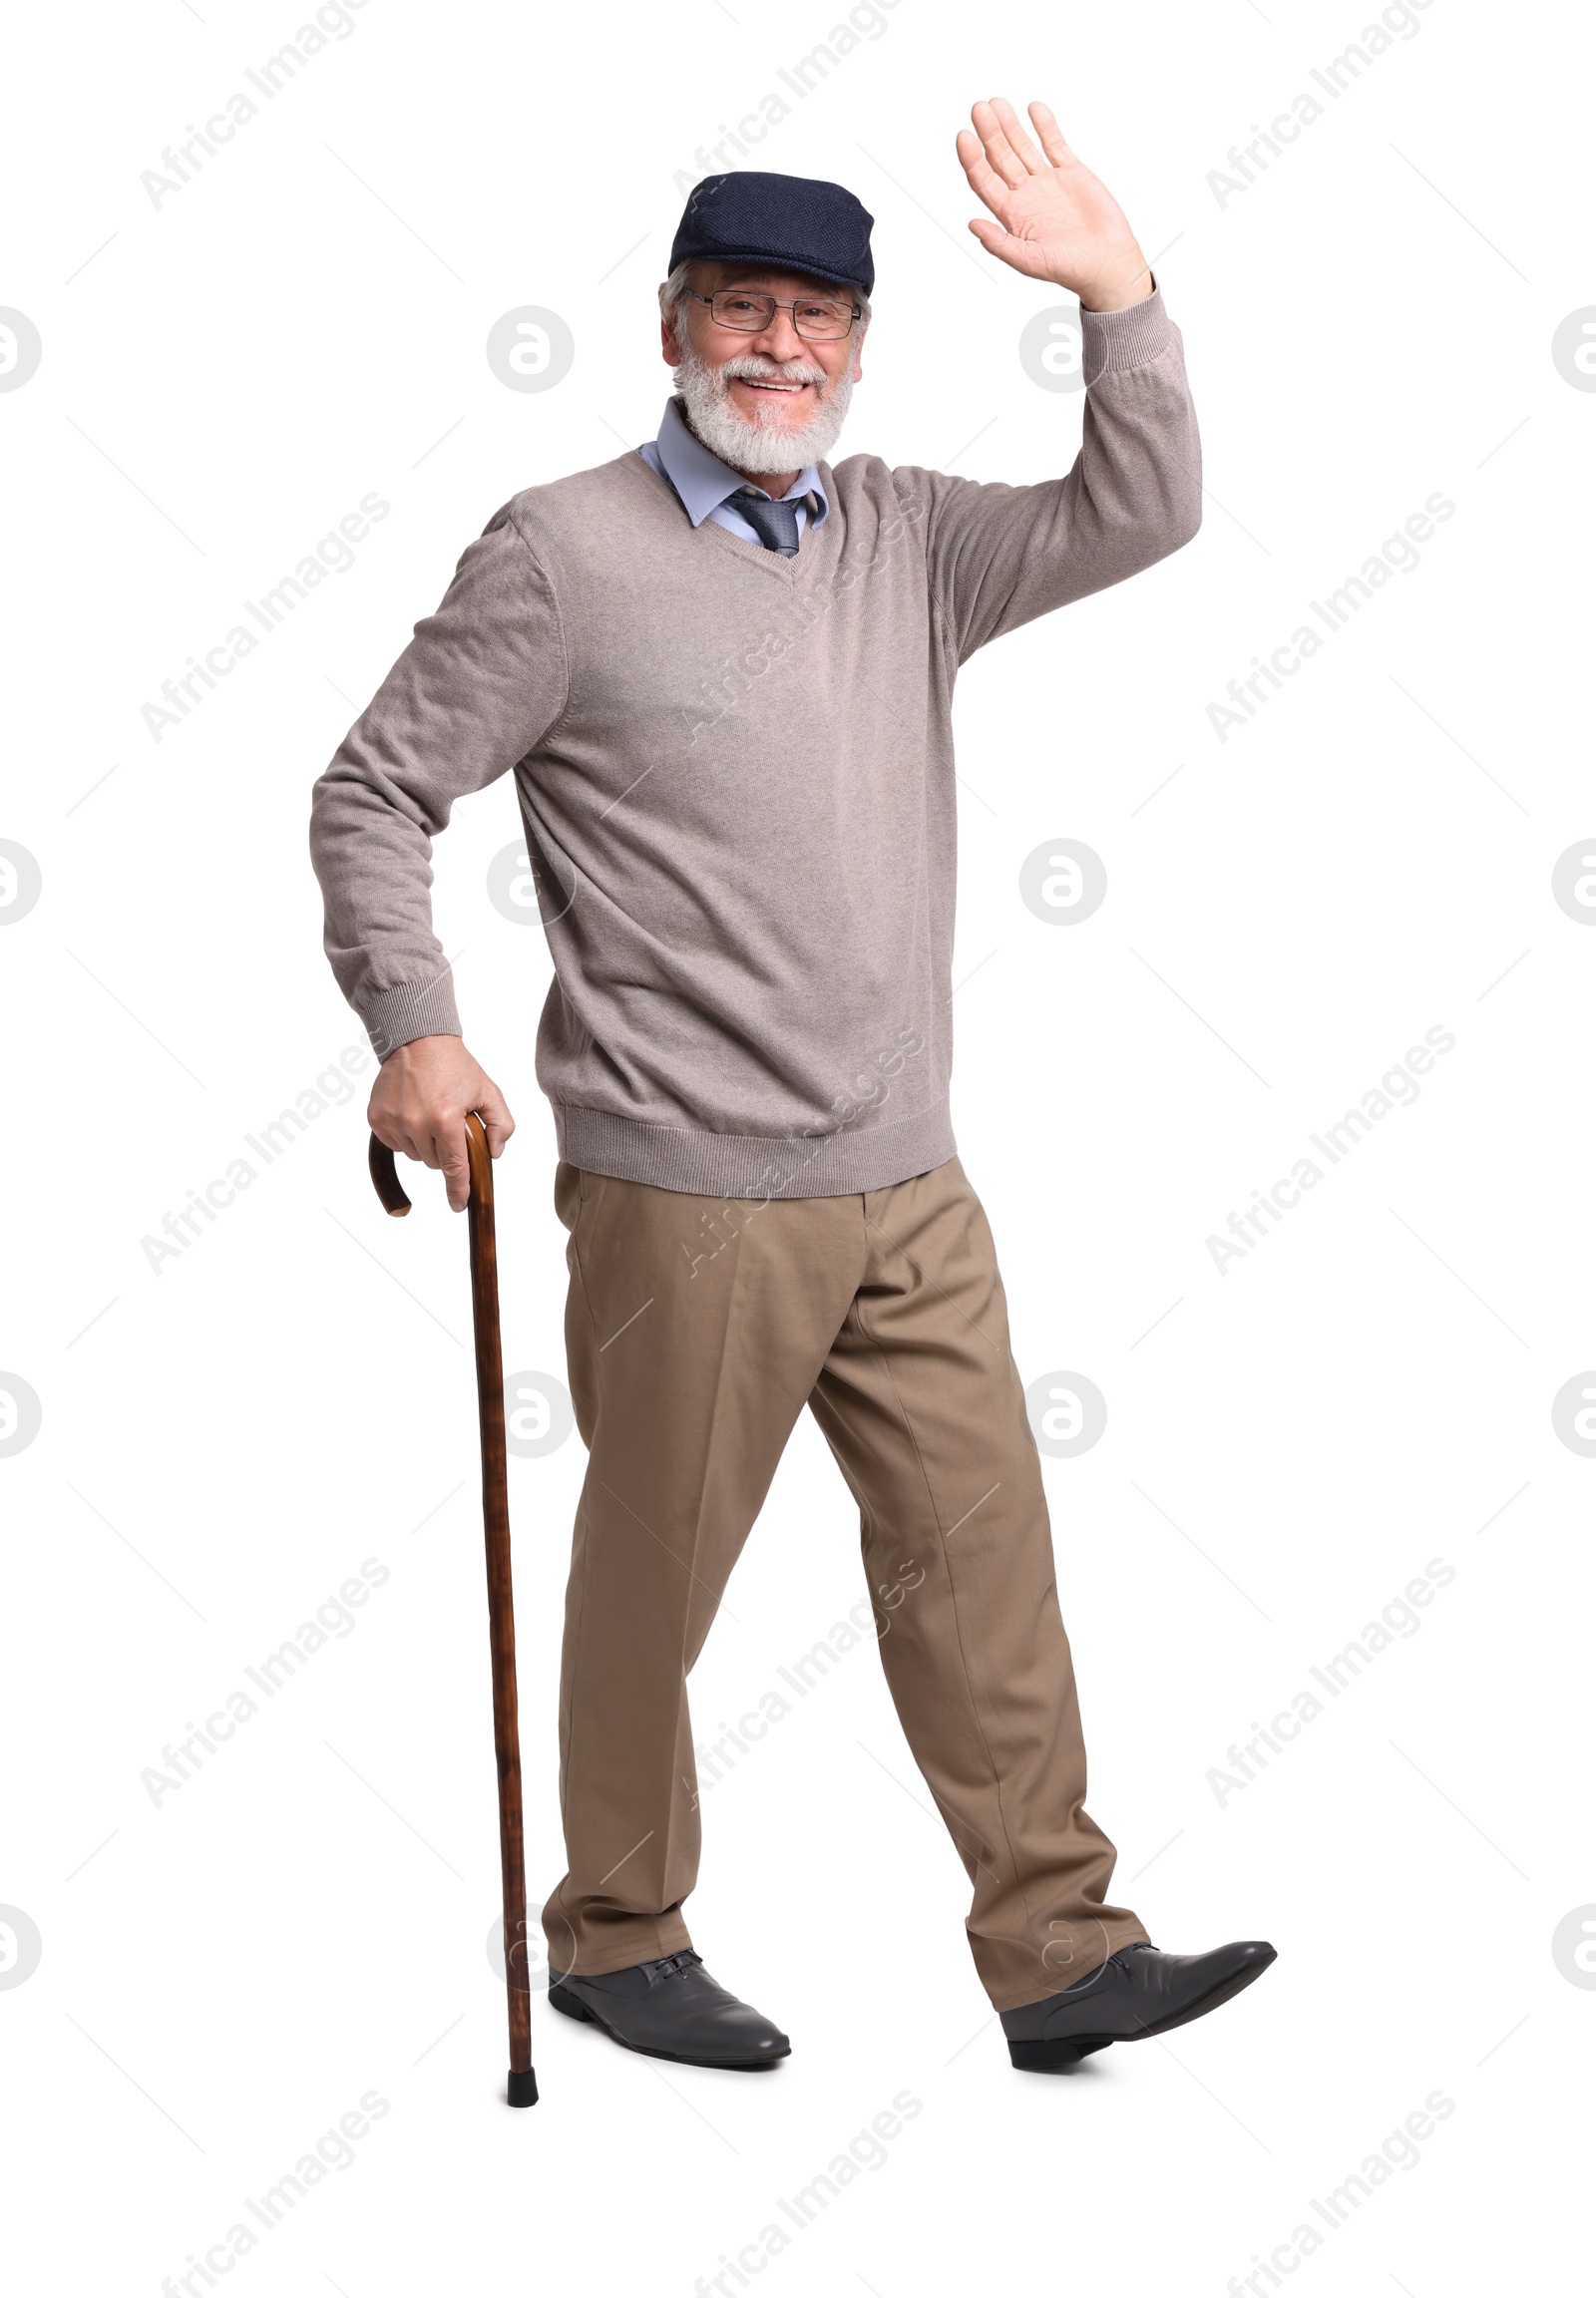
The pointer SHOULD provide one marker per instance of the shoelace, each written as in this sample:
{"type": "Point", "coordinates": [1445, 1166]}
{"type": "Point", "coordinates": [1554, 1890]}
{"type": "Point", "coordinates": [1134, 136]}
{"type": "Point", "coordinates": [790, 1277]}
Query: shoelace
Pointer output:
{"type": "Point", "coordinates": [668, 1966]}
{"type": "Point", "coordinates": [1117, 1963]}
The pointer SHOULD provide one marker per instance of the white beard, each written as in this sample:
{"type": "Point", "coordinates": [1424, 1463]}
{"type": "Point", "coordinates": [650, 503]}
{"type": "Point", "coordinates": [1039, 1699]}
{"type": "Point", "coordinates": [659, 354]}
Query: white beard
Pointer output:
{"type": "Point", "coordinates": [766, 444]}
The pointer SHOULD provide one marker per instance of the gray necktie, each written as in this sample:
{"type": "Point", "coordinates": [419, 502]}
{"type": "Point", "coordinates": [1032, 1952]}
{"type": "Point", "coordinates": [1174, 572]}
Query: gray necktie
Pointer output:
{"type": "Point", "coordinates": [775, 524]}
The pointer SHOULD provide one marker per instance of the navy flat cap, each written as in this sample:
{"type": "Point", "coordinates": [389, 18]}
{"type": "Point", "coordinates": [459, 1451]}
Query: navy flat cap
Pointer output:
{"type": "Point", "coordinates": [787, 222]}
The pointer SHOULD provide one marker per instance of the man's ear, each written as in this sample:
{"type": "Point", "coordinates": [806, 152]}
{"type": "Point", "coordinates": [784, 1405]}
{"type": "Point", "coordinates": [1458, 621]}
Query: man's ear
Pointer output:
{"type": "Point", "coordinates": [671, 344]}
{"type": "Point", "coordinates": [674, 339]}
{"type": "Point", "coordinates": [859, 352]}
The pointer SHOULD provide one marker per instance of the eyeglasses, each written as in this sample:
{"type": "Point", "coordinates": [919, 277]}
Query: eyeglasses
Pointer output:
{"type": "Point", "coordinates": [817, 318]}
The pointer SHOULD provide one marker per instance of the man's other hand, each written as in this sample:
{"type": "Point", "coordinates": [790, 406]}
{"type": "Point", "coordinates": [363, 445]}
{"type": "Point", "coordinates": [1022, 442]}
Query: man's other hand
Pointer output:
{"type": "Point", "coordinates": [1056, 220]}
{"type": "Point", "coordinates": [419, 1105]}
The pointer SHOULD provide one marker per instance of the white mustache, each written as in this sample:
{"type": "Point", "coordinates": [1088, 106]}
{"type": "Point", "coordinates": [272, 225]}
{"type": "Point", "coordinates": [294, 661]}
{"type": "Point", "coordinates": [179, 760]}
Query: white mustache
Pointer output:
{"type": "Point", "coordinates": [756, 367]}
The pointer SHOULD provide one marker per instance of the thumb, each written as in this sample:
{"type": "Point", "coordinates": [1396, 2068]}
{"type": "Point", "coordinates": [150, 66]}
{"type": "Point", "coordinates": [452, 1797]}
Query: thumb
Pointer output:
{"type": "Point", "coordinates": [496, 1118]}
{"type": "Point", "coordinates": [456, 1168]}
{"type": "Point", "coordinates": [1017, 253]}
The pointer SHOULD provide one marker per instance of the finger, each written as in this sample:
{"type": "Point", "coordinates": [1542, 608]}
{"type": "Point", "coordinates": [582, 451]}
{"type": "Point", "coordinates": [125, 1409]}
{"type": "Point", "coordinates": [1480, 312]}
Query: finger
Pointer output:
{"type": "Point", "coordinates": [978, 175]}
{"type": "Point", "coordinates": [425, 1144]}
{"type": "Point", "coordinates": [1018, 142]}
{"type": "Point", "coordinates": [497, 1121]}
{"type": "Point", "coordinates": [387, 1132]}
{"type": "Point", "coordinates": [496, 1118]}
{"type": "Point", "coordinates": [1000, 156]}
{"type": "Point", "coordinates": [1052, 140]}
{"type": "Point", "coordinates": [393, 1133]}
{"type": "Point", "coordinates": [1005, 162]}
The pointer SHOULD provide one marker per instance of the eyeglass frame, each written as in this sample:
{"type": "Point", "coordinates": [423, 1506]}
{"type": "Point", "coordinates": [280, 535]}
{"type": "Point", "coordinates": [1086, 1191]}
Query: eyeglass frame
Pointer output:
{"type": "Point", "coordinates": [857, 310]}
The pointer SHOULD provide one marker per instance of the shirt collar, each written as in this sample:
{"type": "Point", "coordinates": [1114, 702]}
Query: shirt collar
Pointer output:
{"type": "Point", "coordinates": [703, 482]}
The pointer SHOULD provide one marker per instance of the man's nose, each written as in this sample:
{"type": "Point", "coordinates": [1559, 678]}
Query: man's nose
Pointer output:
{"type": "Point", "coordinates": [780, 339]}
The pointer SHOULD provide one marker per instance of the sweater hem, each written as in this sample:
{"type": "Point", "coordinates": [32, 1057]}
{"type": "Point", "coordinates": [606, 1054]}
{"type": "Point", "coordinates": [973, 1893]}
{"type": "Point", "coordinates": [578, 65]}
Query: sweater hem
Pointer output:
{"type": "Point", "coordinates": [752, 1164]}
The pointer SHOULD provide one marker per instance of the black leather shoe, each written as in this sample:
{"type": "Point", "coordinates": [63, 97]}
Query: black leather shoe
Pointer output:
{"type": "Point", "coordinates": [1140, 1990]}
{"type": "Point", "coordinates": [672, 2008]}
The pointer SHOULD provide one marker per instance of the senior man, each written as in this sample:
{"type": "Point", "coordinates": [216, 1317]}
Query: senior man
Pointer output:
{"type": "Point", "coordinates": [720, 669]}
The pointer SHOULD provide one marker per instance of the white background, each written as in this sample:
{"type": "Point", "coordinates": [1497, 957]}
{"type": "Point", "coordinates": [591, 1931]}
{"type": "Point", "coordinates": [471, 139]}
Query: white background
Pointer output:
{"type": "Point", "coordinates": [1288, 1444]}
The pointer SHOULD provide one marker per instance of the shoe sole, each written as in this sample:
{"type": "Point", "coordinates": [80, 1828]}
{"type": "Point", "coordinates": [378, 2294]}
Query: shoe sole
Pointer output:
{"type": "Point", "coordinates": [574, 2008]}
{"type": "Point", "coordinates": [1069, 2050]}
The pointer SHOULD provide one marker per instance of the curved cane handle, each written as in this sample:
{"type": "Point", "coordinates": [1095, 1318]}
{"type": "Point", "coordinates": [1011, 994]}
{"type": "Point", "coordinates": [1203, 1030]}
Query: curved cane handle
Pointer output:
{"type": "Point", "coordinates": [385, 1179]}
{"type": "Point", "coordinates": [385, 1174]}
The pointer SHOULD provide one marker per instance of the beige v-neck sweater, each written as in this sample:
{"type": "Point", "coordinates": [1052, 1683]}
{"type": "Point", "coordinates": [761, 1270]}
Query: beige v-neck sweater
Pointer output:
{"type": "Point", "coordinates": [736, 778]}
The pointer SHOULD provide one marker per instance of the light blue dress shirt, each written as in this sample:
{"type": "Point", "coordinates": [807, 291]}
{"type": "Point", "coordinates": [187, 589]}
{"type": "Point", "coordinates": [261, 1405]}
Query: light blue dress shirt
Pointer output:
{"type": "Point", "coordinates": [703, 482]}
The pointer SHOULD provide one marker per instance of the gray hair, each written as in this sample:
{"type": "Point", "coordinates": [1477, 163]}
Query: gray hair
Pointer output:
{"type": "Point", "coordinates": [676, 290]}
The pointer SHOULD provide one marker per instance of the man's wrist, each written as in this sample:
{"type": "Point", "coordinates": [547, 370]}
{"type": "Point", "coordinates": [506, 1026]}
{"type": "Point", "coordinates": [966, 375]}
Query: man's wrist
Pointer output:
{"type": "Point", "coordinates": [1132, 283]}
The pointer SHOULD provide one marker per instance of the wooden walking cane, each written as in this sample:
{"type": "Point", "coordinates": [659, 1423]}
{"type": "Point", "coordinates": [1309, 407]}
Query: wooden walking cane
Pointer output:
{"type": "Point", "coordinates": [522, 2088]}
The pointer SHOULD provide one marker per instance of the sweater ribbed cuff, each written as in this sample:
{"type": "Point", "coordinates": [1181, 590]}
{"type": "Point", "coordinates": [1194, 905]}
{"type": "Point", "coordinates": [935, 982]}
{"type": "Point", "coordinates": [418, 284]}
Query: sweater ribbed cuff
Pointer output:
{"type": "Point", "coordinates": [396, 1017]}
{"type": "Point", "coordinates": [1112, 341]}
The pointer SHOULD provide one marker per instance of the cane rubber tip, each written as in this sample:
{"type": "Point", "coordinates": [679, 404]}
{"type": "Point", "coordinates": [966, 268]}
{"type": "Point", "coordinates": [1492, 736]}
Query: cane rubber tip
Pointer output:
{"type": "Point", "coordinates": [523, 2090]}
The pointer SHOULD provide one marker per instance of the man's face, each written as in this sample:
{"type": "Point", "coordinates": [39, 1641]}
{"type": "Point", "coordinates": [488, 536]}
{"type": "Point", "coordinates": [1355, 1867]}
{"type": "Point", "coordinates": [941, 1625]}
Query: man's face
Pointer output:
{"type": "Point", "coordinates": [774, 394]}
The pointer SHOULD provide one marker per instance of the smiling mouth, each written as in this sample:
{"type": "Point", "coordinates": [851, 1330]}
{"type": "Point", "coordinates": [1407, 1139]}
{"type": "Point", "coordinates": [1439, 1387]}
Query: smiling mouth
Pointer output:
{"type": "Point", "coordinates": [782, 390]}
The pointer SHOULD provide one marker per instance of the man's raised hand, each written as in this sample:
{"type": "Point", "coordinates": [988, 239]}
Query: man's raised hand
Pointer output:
{"type": "Point", "coordinates": [1054, 221]}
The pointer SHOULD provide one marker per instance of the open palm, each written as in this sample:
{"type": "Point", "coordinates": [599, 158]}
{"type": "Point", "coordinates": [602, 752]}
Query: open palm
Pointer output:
{"type": "Point", "coordinates": [1056, 220]}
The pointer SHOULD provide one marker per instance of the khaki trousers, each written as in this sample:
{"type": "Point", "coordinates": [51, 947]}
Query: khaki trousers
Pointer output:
{"type": "Point", "coordinates": [696, 1330]}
